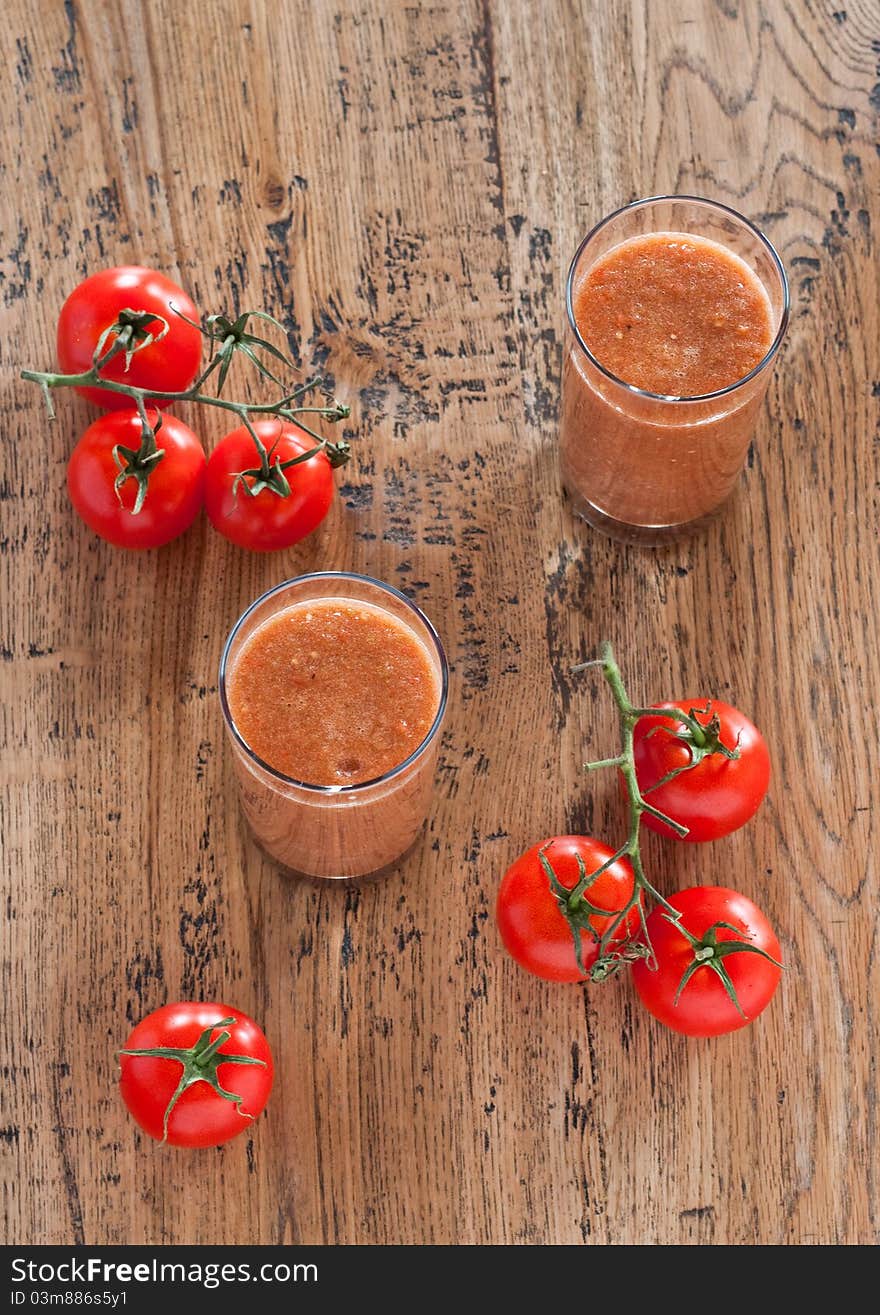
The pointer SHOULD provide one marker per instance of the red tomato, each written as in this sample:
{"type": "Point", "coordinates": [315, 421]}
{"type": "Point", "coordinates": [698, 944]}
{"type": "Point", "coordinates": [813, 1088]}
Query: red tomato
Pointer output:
{"type": "Point", "coordinates": [200, 1115]}
{"type": "Point", "coordinates": [266, 520]}
{"type": "Point", "coordinates": [174, 490]}
{"type": "Point", "coordinates": [716, 796]}
{"type": "Point", "coordinates": [533, 927]}
{"type": "Point", "coordinates": [704, 1006]}
{"type": "Point", "coordinates": [169, 365]}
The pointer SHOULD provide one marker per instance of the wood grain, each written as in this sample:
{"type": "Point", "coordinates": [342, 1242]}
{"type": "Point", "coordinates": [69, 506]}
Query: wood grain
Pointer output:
{"type": "Point", "coordinates": [404, 186]}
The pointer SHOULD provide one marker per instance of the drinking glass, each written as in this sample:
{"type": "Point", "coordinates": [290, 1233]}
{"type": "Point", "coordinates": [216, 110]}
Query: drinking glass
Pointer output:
{"type": "Point", "coordinates": [336, 831]}
{"type": "Point", "coordinates": [639, 465]}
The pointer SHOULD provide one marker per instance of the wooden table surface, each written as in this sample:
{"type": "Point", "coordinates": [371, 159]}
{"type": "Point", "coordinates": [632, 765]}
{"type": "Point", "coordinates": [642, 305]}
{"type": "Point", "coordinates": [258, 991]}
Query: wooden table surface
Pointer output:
{"type": "Point", "coordinates": [404, 186]}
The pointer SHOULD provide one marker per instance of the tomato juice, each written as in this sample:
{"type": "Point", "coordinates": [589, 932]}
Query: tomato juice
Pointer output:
{"type": "Point", "coordinates": [676, 308]}
{"type": "Point", "coordinates": [674, 314]}
{"type": "Point", "coordinates": [334, 689]}
{"type": "Point", "coordinates": [333, 692]}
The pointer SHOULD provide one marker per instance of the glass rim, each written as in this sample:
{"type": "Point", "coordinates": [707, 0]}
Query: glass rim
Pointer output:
{"type": "Point", "coordinates": [355, 787]}
{"type": "Point", "coordinates": [713, 205]}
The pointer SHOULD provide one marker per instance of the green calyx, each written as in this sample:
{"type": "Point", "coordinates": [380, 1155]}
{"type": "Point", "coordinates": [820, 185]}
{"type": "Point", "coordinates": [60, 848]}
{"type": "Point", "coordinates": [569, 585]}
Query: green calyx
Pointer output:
{"type": "Point", "coordinates": [131, 331]}
{"type": "Point", "coordinates": [200, 1064]}
{"type": "Point", "coordinates": [270, 474]}
{"type": "Point", "coordinates": [267, 475]}
{"type": "Point", "coordinates": [231, 337]}
{"type": "Point", "coordinates": [702, 740]}
{"type": "Point", "coordinates": [710, 953]}
{"type": "Point", "coordinates": [138, 463]}
{"type": "Point", "coordinates": [577, 911]}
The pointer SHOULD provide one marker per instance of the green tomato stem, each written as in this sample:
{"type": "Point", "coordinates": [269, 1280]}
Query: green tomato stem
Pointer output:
{"type": "Point", "coordinates": [91, 379]}
{"type": "Point", "coordinates": [610, 958]}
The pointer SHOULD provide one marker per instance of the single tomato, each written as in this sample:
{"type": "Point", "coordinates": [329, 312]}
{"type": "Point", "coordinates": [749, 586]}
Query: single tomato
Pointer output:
{"type": "Point", "coordinates": [196, 1074]}
{"type": "Point", "coordinates": [253, 509]}
{"type": "Point", "coordinates": [167, 365]}
{"type": "Point", "coordinates": [174, 483]}
{"type": "Point", "coordinates": [539, 926]}
{"type": "Point", "coordinates": [716, 970]}
{"type": "Point", "coordinates": [719, 793]}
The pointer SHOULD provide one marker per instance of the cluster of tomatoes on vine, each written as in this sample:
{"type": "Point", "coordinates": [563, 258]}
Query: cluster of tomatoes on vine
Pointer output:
{"type": "Point", "coordinates": [570, 909]}
{"type": "Point", "coordinates": [130, 341]}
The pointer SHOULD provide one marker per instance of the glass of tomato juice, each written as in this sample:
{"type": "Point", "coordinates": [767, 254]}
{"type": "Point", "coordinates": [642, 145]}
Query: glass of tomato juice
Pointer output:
{"type": "Point", "coordinates": [676, 307]}
{"type": "Point", "coordinates": [334, 689]}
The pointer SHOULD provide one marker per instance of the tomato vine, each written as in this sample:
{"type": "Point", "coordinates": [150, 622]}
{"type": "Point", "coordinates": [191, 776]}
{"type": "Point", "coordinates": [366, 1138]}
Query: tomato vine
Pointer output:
{"type": "Point", "coordinates": [133, 330]}
{"type": "Point", "coordinates": [702, 741]}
